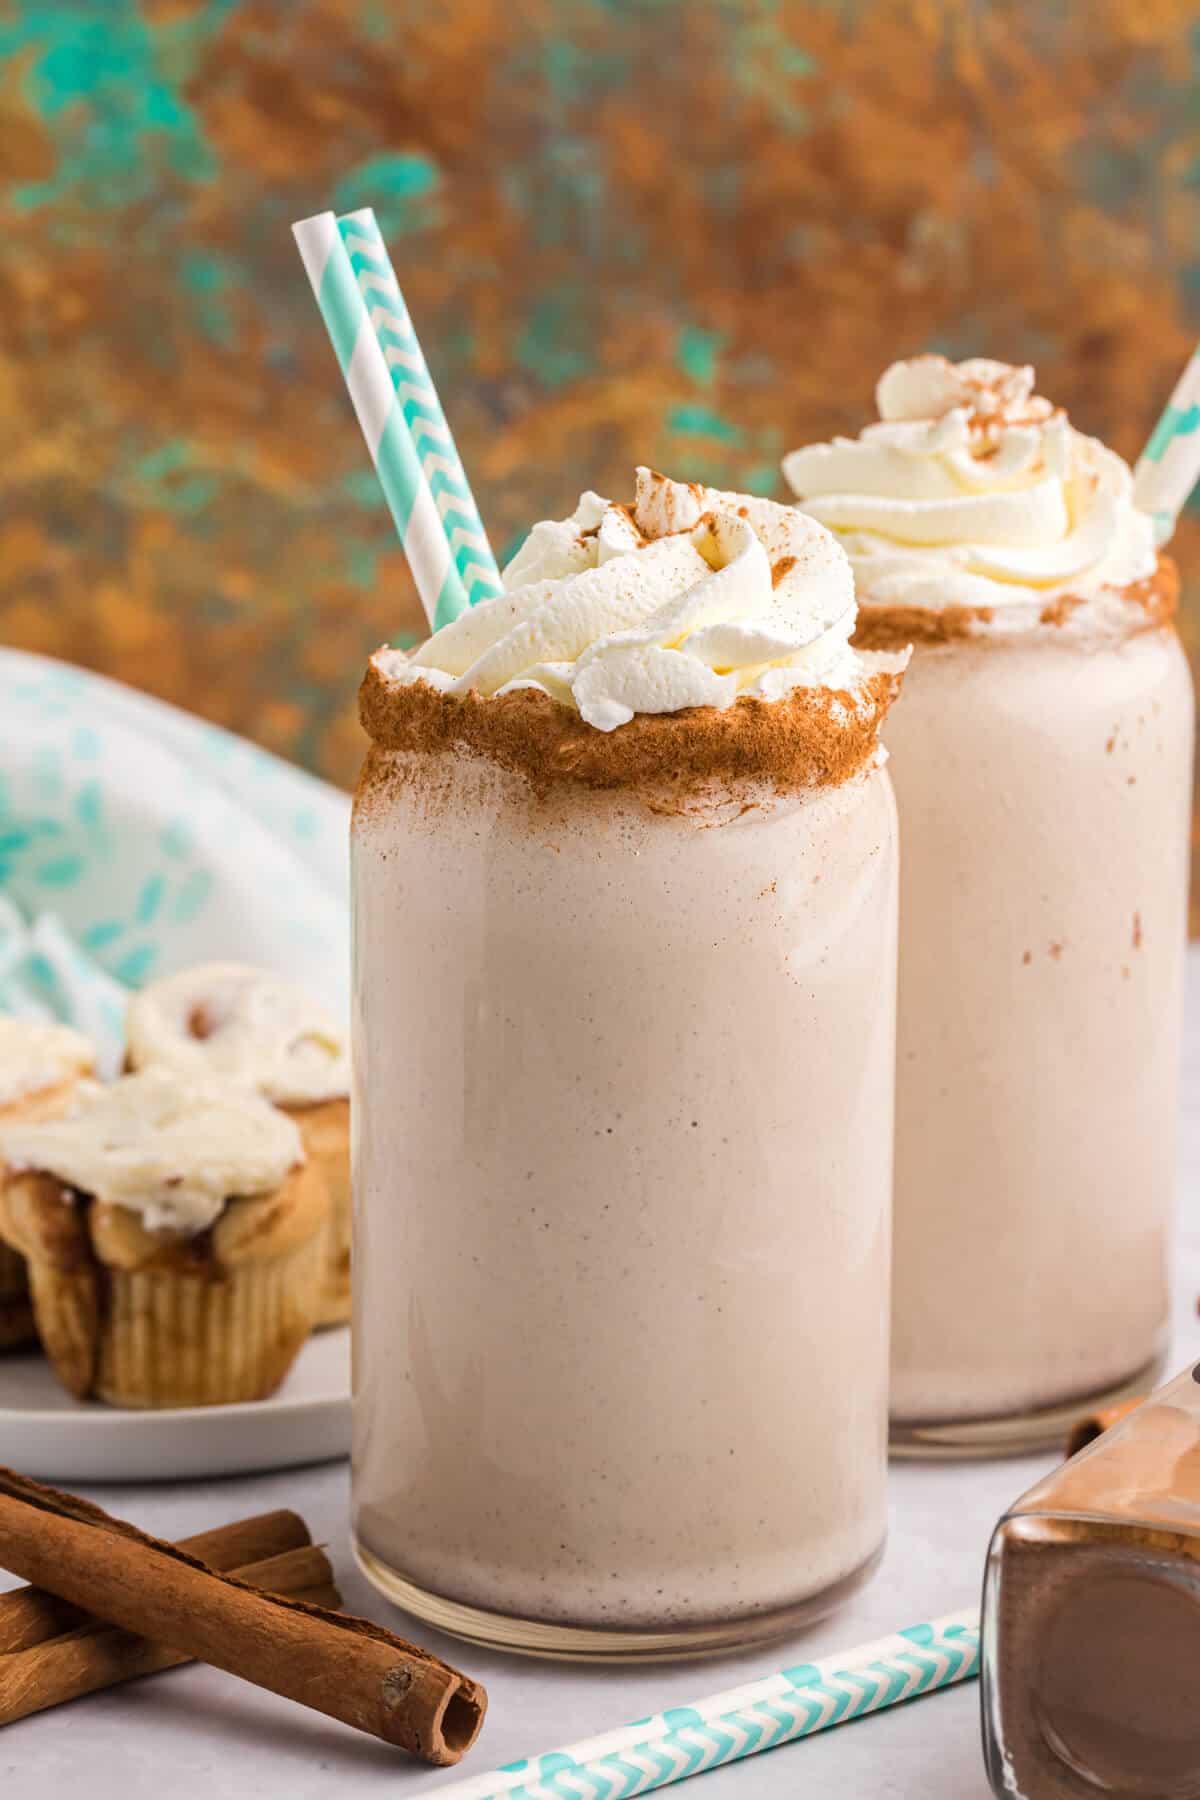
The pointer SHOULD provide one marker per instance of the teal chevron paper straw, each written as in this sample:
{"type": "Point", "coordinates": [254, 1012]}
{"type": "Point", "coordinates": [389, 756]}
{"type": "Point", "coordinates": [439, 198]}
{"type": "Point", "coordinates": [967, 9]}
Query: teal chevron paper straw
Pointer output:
{"type": "Point", "coordinates": [363, 365]}
{"type": "Point", "coordinates": [778, 1709]}
{"type": "Point", "coordinates": [431, 436]}
{"type": "Point", "coordinates": [1169, 466]}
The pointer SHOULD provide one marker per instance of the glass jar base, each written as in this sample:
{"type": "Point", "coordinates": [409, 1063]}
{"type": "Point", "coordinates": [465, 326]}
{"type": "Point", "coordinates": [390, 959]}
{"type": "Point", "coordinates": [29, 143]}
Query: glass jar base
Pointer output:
{"type": "Point", "coordinates": [583, 1643]}
{"type": "Point", "coordinates": [1016, 1434]}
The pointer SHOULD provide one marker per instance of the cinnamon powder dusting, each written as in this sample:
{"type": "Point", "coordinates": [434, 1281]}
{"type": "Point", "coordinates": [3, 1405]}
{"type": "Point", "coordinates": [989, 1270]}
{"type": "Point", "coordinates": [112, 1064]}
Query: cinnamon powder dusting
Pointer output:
{"type": "Point", "coordinates": [627, 514]}
{"type": "Point", "coordinates": [882, 627]}
{"type": "Point", "coordinates": [813, 737]}
{"type": "Point", "coordinates": [891, 627]}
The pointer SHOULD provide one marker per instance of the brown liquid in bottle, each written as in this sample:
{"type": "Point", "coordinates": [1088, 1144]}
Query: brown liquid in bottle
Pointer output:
{"type": "Point", "coordinates": [1092, 1619]}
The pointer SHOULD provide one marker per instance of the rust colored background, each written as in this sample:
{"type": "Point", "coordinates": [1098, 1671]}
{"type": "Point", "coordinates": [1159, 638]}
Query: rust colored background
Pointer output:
{"type": "Point", "coordinates": [679, 231]}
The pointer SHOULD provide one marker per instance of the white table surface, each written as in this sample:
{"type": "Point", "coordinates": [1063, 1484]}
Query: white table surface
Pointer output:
{"type": "Point", "coordinates": [196, 1733]}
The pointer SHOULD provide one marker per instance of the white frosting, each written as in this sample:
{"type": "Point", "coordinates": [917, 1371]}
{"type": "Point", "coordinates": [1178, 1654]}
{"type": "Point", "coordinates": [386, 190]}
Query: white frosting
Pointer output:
{"type": "Point", "coordinates": [170, 1148]}
{"type": "Point", "coordinates": [690, 598]}
{"type": "Point", "coordinates": [242, 1023]}
{"type": "Point", "coordinates": [35, 1055]}
{"type": "Point", "coordinates": [974, 491]}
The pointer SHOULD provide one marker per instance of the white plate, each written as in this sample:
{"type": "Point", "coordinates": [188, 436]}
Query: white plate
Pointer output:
{"type": "Point", "coordinates": [46, 1433]}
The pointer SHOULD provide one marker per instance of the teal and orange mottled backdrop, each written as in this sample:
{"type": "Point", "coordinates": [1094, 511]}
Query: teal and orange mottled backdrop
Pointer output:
{"type": "Point", "coordinates": [688, 232]}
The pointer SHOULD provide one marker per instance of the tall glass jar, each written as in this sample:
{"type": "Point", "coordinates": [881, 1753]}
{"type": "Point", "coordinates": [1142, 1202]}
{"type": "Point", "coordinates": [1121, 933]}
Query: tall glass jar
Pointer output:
{"type": "Point", "coordinates": [1042, 758]}
{"type": "Point", "coordinates": [623, 1104]}
{"type": "Point", "coordinates": [1043, 780]}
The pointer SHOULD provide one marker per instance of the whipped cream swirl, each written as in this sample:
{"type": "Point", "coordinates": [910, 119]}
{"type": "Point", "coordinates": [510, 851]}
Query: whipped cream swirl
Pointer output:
{"type": "Point", "coordinates": [691, 597]}
{"type": "Point", "coordinates": [974, 491]}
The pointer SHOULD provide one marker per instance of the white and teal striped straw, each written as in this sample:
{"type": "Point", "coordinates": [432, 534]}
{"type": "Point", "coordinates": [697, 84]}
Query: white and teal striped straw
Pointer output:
{"type": "Point", "coordinates": [440, 461]}
{"type": "Point", "coordinates": [358, 306]}
{"type": "Point", "coordinates": [1169, 466]}
{"type": "Point", "coordinates": [778, 1709]}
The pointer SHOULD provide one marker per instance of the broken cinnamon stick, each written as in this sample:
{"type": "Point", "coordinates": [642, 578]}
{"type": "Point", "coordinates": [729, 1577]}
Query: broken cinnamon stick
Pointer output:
{"type": "Point", "coordinates": [347, 1668]}
{"type": "Point", "coordinates": [95, 1655]}
{"type": "Point", "coordinates": [29, 1615]}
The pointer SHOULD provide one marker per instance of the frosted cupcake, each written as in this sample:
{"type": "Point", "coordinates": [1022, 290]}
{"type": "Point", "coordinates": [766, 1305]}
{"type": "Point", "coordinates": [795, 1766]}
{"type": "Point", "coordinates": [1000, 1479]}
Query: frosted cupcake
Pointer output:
{"type": "Point", "coordinates": [176, 1240]}
{"type": "Point", "coordinates": [253, 1027]}
{"type": "Point", "coordinates": [40, 1066]}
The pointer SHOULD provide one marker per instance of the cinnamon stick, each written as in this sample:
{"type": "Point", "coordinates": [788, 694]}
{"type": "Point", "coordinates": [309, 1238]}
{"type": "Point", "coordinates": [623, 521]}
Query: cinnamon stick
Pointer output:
{"type": "Point", "coordinates": [95, 1655]}
{"type": "Point", "coordinates": [347, 1668]}
{"type": "Point", "coordinates": [29, 1615]}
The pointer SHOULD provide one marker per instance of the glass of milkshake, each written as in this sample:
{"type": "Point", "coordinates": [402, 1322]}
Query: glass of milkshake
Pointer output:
{"type": "Point", "coordinates": [624, 913]}
{"type": "Point", "coordinates": [1042, 761]}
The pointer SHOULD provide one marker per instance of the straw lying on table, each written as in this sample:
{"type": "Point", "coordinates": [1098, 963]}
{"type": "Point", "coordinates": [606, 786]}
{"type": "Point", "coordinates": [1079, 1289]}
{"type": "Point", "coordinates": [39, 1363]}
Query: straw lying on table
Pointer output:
{"type": "Point", "coordinates": [1168, 467]}
{"type": "Point", "coordinates": [397, 407]}
{"type": "Point", "coordinates": [795, 1703]}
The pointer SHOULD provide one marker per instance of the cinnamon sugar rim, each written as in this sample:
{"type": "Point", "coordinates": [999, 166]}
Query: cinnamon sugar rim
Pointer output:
{"type": "Point", "coordinates": [812, 737]}
{"type": "Point", "coordinates": [1153, 602]}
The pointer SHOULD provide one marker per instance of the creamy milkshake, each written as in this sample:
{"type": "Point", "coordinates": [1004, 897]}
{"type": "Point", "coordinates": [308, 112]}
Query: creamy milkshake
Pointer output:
{"type": "Point", "coordinates": [625, 877]}
{"type": "Point", "coordinates": [1042, 761]}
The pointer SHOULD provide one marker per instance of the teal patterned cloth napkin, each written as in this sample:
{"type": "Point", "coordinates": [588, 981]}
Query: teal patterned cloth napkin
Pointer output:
{"type": "Point", "coordinates": [136, 839]}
